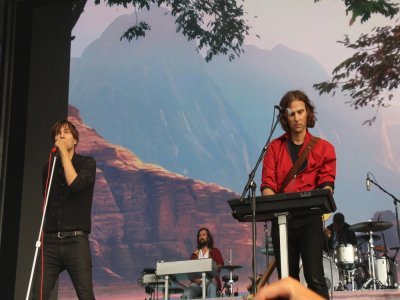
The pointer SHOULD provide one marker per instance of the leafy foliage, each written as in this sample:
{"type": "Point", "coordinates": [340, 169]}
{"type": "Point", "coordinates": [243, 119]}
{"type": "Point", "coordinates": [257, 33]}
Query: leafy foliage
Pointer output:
{"type": "Point", "coordinates": [217, 25]}
{"type": "Point", "coordinates": [372, 74]}
{"type": "Point", "coordinates": [365, 8]}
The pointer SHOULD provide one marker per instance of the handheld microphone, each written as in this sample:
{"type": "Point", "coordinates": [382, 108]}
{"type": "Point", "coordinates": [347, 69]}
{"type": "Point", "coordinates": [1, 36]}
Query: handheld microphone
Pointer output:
{"type": "Point", "coordinates": [55, 151]}
{"type": "Point", "coordinates": [368, 183]}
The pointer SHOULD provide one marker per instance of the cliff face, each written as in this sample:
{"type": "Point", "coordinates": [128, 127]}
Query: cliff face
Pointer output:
{"type": "Point", "coordinates": [143, 213]}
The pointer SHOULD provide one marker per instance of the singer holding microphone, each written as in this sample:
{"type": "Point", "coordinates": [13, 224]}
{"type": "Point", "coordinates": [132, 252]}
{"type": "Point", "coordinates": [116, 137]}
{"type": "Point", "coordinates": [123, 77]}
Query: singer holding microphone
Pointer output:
{"type": "Point", "coordinates": [299, 162]}
{"type": "Point", "coordinates": [65, 241]}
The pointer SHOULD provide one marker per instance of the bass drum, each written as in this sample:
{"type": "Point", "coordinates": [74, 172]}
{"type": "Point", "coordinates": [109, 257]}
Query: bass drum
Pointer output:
{"type": "Point", "coordinates": [331, 274]}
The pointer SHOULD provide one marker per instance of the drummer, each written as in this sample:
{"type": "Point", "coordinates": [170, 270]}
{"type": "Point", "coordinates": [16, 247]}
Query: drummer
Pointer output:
{"type": "Point", "coordinates": [338, 233]}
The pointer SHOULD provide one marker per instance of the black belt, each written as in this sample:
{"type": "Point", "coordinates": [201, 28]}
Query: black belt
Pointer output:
{"type": "Point", "coordinates": [63, 234]}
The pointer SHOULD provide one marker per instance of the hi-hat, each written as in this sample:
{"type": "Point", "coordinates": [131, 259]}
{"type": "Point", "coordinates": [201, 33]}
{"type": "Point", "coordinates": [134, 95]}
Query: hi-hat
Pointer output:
{"type": "Point", "coordinates": [230, 267]}
{"type": "Point", "coordinates": [370, 226]}
{"type": "Point", "coordinates": [226, 278]}
{"type": "Point", "coordinates": [365, 237]}
{"type": "Point", "coordinates": [270, 251]}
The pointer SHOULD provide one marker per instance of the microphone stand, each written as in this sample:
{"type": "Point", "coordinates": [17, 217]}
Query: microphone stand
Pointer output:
{"type": "Point", "coordinates": [395, 201]}
{"type": "Point", "coordinates": [38, 242]}
{"type": "Point", "coordinates": [250, 188]}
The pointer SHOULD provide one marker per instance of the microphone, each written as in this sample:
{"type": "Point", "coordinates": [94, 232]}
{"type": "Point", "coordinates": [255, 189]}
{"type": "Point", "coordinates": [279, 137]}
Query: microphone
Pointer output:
{"type": "Point", "coordinates": [282, 111]}
{"type": "Point", "coordinates": [368, 183]}
{"type": "Point", "coordinates": [55, 151]}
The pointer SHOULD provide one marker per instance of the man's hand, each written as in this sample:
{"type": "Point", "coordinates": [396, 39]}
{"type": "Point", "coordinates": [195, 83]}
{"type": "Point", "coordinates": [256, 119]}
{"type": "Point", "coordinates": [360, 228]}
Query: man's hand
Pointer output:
{"type": "Point", "coordinates": [62, 147]}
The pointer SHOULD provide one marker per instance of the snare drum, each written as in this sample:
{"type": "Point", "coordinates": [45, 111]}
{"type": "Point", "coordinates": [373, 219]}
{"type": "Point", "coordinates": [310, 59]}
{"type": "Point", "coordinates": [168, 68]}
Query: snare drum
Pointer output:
{"type": "Point", "coordinates": [346, 256]}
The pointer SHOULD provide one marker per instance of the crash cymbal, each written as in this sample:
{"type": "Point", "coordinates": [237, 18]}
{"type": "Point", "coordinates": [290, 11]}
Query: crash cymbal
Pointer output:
{"type": "Point", "coordinates": [230, 267]}
{"type": "Point", "coordinates": [325, 217]}
{"type": "Point", "coordinates": [370, 226]}
{"type": "Point", "coordinates": [270, 251]}
{"type": "Point", "coordinates": [365, 237]}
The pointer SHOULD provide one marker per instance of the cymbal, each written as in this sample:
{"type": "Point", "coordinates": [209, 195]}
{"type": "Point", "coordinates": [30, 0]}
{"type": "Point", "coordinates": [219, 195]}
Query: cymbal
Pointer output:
{"type": "Point", "coordinates": [231, 267]}
{"type": "Point", "coordinates": [270, 251]}
{"type": "Point", "coordinates": [325, 217]}
{"type": "Point", "coordinates": [365, 237]}
{"type": "Point", "coordinates": [370, 226]}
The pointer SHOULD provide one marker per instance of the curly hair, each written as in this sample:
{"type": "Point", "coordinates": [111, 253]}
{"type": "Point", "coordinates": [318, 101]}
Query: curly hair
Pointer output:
{"type": "Point", "coordinates": [210, 242]}
{"type": "Point", "coordinates": [291, 96]}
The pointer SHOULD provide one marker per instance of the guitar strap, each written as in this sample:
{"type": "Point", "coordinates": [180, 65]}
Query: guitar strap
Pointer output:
{"type": "Point", "coordinates": [298, 162]}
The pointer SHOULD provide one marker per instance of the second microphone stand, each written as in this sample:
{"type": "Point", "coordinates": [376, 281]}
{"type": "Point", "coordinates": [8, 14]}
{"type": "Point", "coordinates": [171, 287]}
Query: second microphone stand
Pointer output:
{"type": "Point", "coordinates": [250, 189]}
{"type": "Point", "coordinates": [395, 202]}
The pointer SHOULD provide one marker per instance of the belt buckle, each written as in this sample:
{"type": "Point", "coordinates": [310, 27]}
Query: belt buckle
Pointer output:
{"type": "Point", "coordinates": [60, 235]}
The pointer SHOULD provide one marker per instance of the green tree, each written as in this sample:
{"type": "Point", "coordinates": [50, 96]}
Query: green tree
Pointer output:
{"type": "Point", "coordinates": [372, 74]}
{"type": "Point", "coordinates": [218, 26]}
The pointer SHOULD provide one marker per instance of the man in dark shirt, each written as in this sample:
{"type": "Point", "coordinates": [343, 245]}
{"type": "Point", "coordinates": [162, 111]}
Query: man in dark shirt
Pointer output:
{"type": "Point", "coordinates": [65, 243]}
{"type": "Point", "coordinates": [338, 233]}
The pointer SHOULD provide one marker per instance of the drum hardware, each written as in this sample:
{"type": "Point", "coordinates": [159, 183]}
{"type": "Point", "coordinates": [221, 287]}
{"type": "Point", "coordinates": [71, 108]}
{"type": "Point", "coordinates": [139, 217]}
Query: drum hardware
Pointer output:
{"type": "Point", "coordinates": [269, 251]}
{"type": "Point", "coordinates": [229, 281]}
{"type": "Point", "coordinates": [370, 227]}
{"type": "Point", "coordinates": [362, 238]}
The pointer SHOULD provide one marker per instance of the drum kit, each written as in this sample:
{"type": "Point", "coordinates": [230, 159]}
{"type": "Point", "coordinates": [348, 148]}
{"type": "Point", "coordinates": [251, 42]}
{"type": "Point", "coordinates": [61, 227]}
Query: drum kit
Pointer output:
{"type": "Point", "coordinates": [363, 266]}
{"type": "Point", "coordinates": [229, 281]}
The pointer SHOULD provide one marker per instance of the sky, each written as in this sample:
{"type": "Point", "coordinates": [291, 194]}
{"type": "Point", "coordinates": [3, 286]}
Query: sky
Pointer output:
{"type": "Point", "coordinates": [302, 25]}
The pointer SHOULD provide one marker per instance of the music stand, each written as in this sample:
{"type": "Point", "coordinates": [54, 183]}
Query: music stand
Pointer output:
{"type": "Point", "coordinates": [280, 206]}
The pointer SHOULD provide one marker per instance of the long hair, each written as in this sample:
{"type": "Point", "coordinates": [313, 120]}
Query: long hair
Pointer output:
{"type": "Point", "coordinates": [210, 242]}
{"type": "Point", "coordinates": [61, 124]}
{"type": "Point", "coordinates": [291, 96]}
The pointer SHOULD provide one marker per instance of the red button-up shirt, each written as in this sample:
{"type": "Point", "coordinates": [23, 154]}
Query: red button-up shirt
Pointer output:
{"type": "Point", "coordinates": [319, 171]}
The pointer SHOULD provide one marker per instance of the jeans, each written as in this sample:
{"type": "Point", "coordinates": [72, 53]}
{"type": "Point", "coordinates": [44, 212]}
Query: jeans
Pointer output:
{"type": "Point", "coordinates": [305, 239]}
{"type": "Point", "coordinates": [71, 254]}
{"type": "Point", "coordinates": [194, 291]}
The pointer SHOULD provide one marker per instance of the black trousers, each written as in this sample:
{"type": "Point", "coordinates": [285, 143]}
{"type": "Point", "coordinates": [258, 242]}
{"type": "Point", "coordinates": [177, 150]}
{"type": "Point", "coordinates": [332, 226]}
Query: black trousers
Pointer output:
{"type": "Point", "coordinates": [305, 240]}
{"type": "Point", "coordinates": [71, 254]}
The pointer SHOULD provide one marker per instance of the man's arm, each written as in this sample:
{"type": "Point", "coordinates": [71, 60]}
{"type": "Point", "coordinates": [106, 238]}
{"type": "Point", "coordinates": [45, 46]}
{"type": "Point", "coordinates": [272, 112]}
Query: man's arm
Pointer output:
{"type": "Point", "coordinates": [69, 170]}
{"type": "Point", "coordinates": [86, 175]}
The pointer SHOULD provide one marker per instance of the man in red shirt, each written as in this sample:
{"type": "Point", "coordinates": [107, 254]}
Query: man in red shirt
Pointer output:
{"type": "Point", "coordinates": [205, 249]}
{"type": "Point", "coordinates": [305, 232]}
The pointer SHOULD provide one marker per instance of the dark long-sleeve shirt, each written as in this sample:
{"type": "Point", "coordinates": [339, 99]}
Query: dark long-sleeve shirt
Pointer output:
{"type": "Point", "coordinates": [69, 207]}
{"type": "Point", "coordinates": [346, 236]}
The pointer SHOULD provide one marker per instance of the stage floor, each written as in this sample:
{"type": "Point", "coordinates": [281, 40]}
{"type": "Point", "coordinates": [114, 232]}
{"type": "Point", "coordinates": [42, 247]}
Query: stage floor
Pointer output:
{"type": "Point", "coordinates": [391, 294]}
